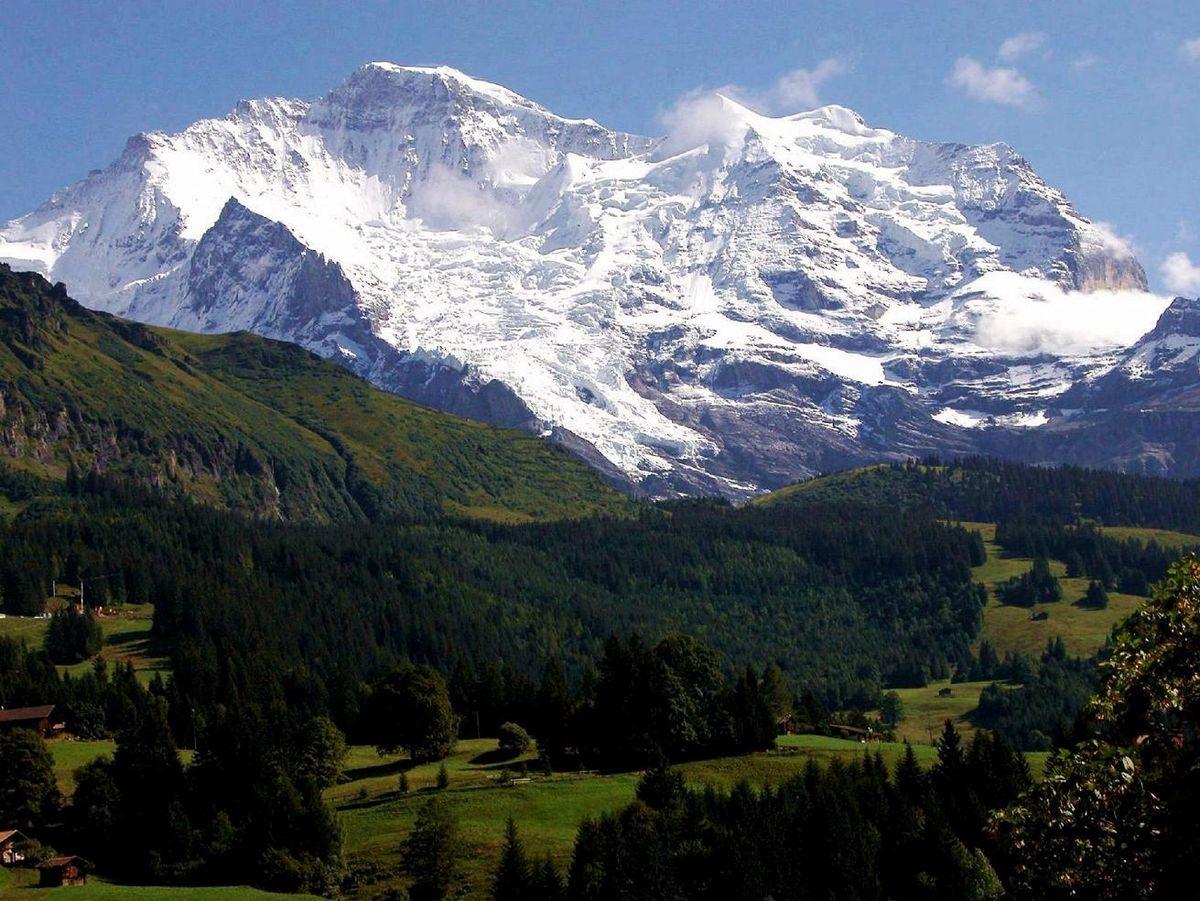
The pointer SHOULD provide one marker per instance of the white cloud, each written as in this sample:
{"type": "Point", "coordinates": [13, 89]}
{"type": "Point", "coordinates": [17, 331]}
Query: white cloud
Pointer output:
{"type": "Point", "coordinates": [448, 200]}
{"type": "Point", "coordinates": [797, 90]}
{"type": "Point", "coordinates": [1119, 246]}
{"type": "Point", "coordinates": [993, 85]}
{"type": "Point", "coordinates": [1190, 50]}
{"type": "Point", "coordinates": [1085, 62]}
{"type": "Point", "coordinates": [1018, 315]}
{"type": "Point", "coordinates": [1180, 274]}
{"type": "Point", "coordinates": [705, 117]}
{"type": "Point", "coordinates": [1020, 44]}
{"type": "Point", "coordinates": [701, 117]}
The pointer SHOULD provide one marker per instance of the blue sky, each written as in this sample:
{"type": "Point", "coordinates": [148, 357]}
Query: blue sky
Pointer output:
{"type": "Point", "coordinates": [1102, 98]}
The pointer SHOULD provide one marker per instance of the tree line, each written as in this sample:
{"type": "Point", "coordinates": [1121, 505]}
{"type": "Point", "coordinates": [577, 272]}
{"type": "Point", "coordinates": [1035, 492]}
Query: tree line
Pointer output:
{"type": "Point", "coordinates": [1128, 565]}
{"type": "Point", "coordinates": [306, 614]}
{"type": "Point", "coordinates": [987, 489]}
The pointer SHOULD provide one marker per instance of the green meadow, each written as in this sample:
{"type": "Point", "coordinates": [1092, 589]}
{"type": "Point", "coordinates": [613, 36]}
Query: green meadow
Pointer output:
{"type": "Point", "coordinates": [126, 637]}
{"type": "Point", "coordinates": [1083, 630]}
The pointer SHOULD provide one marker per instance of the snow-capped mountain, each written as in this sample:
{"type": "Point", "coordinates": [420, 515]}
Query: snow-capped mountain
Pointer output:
{"type": "Point", "coordinates": [741, 302]}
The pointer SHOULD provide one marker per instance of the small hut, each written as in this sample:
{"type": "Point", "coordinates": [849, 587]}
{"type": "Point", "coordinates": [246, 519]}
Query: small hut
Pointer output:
{"type": "Point", "coordinates": [12, 850]}
{"type": "Point", "coordinates": [36, 718]}
{"type": "Point", "coordinates": [69, 870]}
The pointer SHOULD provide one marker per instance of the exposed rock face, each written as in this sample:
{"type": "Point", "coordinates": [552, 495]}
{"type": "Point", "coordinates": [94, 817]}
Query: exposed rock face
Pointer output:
{"type": "Point", "coordinates": [743, 302]}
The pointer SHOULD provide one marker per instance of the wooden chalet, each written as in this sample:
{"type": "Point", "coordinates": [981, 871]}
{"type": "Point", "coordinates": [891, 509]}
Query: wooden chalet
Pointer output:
{"type": "Point", "coordinates": [36, 718]}
{"type": "Point", "coordinates": [69, 870]}
{"type": "Point", "coordinates": [12, 850]}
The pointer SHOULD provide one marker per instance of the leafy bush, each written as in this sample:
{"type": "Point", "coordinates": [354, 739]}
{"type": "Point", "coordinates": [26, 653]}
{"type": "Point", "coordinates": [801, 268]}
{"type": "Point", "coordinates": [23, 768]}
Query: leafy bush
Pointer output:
{"type": "Point", "coordinates": [514, 740]}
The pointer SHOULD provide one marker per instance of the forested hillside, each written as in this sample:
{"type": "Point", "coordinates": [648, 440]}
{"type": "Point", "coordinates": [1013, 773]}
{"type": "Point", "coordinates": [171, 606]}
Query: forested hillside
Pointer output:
{"type": "Point", "coordinates": [841, 601]}
{"type": "Point", "coordinates": [257, 426]}
{"type": "Point", "coordinates": [983, 489]}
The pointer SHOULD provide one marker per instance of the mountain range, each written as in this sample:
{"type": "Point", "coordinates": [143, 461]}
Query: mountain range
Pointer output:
{"type": "Point", "coordinates": [742, 302]}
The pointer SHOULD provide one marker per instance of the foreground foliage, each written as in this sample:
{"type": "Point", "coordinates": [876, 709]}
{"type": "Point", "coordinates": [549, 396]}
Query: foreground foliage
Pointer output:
{"type": "Point", "coordinates": [1118, 817]}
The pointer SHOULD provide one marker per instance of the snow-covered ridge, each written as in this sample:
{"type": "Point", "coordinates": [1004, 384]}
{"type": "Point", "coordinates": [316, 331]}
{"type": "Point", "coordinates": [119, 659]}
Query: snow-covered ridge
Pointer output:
{"type": "Point", "coordinates": [737, 303]}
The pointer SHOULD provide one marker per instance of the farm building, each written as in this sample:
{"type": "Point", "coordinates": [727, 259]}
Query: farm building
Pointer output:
{"type": "Point", "coordinates": [11, 851]}
{"type": "Point", "coordinates": [69, 870]}
{"type": "Point", "coordinates": [36, 718]}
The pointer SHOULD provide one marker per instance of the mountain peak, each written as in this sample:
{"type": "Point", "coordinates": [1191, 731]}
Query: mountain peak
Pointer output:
{"type": "Point", "coordinates": [446, 75]}
{"type": "Point", "coordinates": [1181, 318]}
{"type": "Point", "coordinates": [378, 87]}
{"type": "Point", "coordinates": [838, 118]}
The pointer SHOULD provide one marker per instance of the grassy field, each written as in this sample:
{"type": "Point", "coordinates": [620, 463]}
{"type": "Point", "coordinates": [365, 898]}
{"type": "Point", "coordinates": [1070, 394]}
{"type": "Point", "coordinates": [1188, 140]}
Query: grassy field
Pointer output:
{"type": "Point", "coordinates": [1164, 537]}
{"type": "Point", "coordinates": [1083, 630]}
{"type": "Point", "coordinates": [21, 885]}
{"type": "Point", "coordinates": [925, 712]}
{"type": "Point", "coordinates": [29, 629]}
{"type": "Point", "coordinates": [71, 755]}
{"type": "Point", "coordinates": [126, 638]}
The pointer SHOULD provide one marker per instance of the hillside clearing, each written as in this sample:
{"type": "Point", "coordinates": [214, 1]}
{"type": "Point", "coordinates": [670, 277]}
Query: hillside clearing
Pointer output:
{"type": "Point", "coordinates": [1082, 629]}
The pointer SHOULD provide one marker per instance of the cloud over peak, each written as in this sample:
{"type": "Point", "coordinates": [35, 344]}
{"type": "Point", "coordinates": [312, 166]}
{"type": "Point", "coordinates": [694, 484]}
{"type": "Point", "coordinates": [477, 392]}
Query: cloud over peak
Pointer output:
{"type": "Point", "coordinates": [998, 84]}
{"type": "Point", "coordinates": [704, 117]}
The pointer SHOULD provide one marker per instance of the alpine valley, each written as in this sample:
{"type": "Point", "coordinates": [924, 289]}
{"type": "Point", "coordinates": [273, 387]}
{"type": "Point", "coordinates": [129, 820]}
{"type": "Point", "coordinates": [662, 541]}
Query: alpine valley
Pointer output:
{"type": "Point", "coordinates": [743, 302]}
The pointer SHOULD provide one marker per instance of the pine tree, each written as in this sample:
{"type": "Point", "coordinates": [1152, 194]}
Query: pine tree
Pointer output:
{"type": "Point", "coordinates": [512, 881]}
{"type": "Point", "coordinates": [432, 854]}
{"type": "Point", "coordinates": [1097, 596]}
{"type": "Point", "coordinates": [28, 793]}
{"type": "Point", "coordinates": [547, 882]}
{"type": "Point", "coordinates": [891, 710]}
{"type": "Point", "coordinates": [951, 762]}
{"type": "Point", "coordinates": [775, 692]}
{"type": "Point", "coordinates": [910, 779]}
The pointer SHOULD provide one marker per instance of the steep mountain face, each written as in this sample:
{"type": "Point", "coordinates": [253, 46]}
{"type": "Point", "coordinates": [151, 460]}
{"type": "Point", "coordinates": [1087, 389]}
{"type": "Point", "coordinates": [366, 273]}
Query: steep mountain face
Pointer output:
{"type": "Point", "coordinates": [241, 422]}
{"type": "Point", "coordinates": [743, 302]}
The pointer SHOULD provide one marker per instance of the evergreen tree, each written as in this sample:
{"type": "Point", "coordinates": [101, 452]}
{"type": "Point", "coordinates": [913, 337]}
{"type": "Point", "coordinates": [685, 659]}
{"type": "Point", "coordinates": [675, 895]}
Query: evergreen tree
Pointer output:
{"type": "Point", "coordinates": [554, 709]}
{"type": "Point", "coordinates": [661, 787]}
{"type": "Point", "coordinates": [775, 692]}
{"type": "Point", "coordinates": [152, 818]}
{"type": "Point", "coordinates": [513, 881]}
{"type": "Point", "coordinates": [431, 855]}
{"type": "Point", "coordinates": [93, 815]}
{"type": "Point", "coordinates": [910, 778]}
{"type": "Point", "coordinates": [72, 636]}
{"type": "Point", "coordinates": [29, 797]}
{"type": "Point", "coordinates": [547, 882]}
{"type": "Point", "coordinates": [891, 709]}
{"type": "Point", "coordinates": [1096, 597]}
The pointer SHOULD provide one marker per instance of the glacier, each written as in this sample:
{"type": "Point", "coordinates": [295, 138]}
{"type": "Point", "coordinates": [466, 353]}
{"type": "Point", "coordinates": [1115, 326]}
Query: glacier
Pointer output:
{"type": "Point", "coordinates": [742, 302]}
